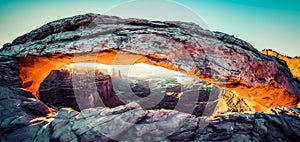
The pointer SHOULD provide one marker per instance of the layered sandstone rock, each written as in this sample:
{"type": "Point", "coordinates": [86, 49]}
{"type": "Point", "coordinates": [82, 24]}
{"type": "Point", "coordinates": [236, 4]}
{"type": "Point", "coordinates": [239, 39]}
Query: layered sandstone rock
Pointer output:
{"type": "Point", "coordinates": [211, 56]}
{"type": "Point", "coordinates": [293, 63]}
{"type": "Point", "coordinates": [58, 91]}
{"type": "Point", "coordinates": [258, 80]}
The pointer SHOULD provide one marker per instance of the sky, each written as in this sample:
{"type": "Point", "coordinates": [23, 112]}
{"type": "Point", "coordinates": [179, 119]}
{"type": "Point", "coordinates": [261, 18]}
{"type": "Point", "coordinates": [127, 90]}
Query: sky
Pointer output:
{"type": "Point", "coordinates": [272, 24]}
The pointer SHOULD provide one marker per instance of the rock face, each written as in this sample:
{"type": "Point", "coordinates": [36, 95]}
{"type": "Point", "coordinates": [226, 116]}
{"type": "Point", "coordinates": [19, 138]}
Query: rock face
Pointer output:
{"type": "Point", "coordinates": [140, 90]}
{"type": "Point", "coordinates": [293, 63]}
{"type": "Point", "coordinates": [57, 91]}
{"type": "Point", "coordinates": [171, 98]}
{"type": "Point", "coordinates": [210, 100]}
{"type": "Point", "coordinates": [259, 80]}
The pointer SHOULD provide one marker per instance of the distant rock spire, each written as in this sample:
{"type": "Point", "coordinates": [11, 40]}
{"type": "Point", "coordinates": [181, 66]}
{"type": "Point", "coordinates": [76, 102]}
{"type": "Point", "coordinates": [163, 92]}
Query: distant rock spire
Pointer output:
{"type": "Point", "coordinates": [119, 74]}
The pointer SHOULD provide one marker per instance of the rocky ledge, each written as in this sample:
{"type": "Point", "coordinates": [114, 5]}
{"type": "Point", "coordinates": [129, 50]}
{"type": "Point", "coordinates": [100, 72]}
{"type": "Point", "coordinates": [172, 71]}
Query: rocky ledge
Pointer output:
{"type": "Point", "coordinates": [132, 123]}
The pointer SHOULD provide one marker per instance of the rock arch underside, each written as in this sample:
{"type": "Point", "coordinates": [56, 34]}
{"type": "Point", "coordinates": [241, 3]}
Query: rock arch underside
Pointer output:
{"type": "Point", "coordinates": [263, 82]}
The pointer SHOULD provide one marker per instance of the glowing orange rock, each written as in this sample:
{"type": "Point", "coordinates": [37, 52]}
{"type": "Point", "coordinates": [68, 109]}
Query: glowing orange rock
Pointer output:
{"type": "Point", "coordinates": [223, 60]}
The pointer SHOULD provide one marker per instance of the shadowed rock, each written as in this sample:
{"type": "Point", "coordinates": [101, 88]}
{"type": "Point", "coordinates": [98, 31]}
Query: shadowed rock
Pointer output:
{"type": "Point", "coordinates": [57, 91]}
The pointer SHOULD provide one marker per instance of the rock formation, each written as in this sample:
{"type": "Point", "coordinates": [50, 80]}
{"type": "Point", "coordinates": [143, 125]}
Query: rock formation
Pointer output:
{"type": "Point", "coordinates": [132, 123]}
{"type": "Point", "coordinates": [293, 63]}
{"type": "Point", "coordinates": [57, 91]}
{"type": "Point", "coordinates": [258, 80]}
{"type": "Point", "coordinates": [211, 56]}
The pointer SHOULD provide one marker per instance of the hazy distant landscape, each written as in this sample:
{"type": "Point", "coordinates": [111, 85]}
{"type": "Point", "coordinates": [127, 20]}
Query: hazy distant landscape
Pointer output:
{"type": "Point", "coordinates": [126, 78]}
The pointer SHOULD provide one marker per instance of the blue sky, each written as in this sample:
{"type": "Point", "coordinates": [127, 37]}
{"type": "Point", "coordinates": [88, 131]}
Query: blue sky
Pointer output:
{"type": "Point", "coordinates": [264, 23]}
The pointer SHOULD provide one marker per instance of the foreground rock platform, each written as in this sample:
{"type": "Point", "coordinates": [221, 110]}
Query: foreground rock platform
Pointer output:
{"type": "Point", "coordinates": [132, 123]}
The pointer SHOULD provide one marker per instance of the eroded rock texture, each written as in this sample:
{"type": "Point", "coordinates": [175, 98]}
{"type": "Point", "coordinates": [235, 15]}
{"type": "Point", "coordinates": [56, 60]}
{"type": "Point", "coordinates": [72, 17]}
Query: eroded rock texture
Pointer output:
{"type": "Point", "coordinates": [57, 91]}
{"type": "Point", "coordinates": [132, 123]}
{"type": "Point", "coordinates": [259, 80]}
{"type": "Point", "coordinates": [292, 62]}
{"type": "Point", "coordinates": [212, 56]}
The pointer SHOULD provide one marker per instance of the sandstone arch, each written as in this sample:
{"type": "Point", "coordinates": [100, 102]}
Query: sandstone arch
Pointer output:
{"type": "Point", "coordinates": [215, 57]}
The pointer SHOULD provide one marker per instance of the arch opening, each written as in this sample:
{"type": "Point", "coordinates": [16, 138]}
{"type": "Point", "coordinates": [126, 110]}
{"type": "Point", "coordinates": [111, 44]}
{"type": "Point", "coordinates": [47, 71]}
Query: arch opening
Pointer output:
{"type": "Point", "coordinates": [35, 69]}
{"type": "Point", "coordinates": [151, 86]}
{"type": "Point", "coordinates": [45, 76]}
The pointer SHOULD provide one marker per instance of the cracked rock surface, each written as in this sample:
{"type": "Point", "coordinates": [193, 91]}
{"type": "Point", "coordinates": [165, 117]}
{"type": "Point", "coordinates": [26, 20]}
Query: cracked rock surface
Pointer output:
{"type": "Point", "coordinates": [131, 123]}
